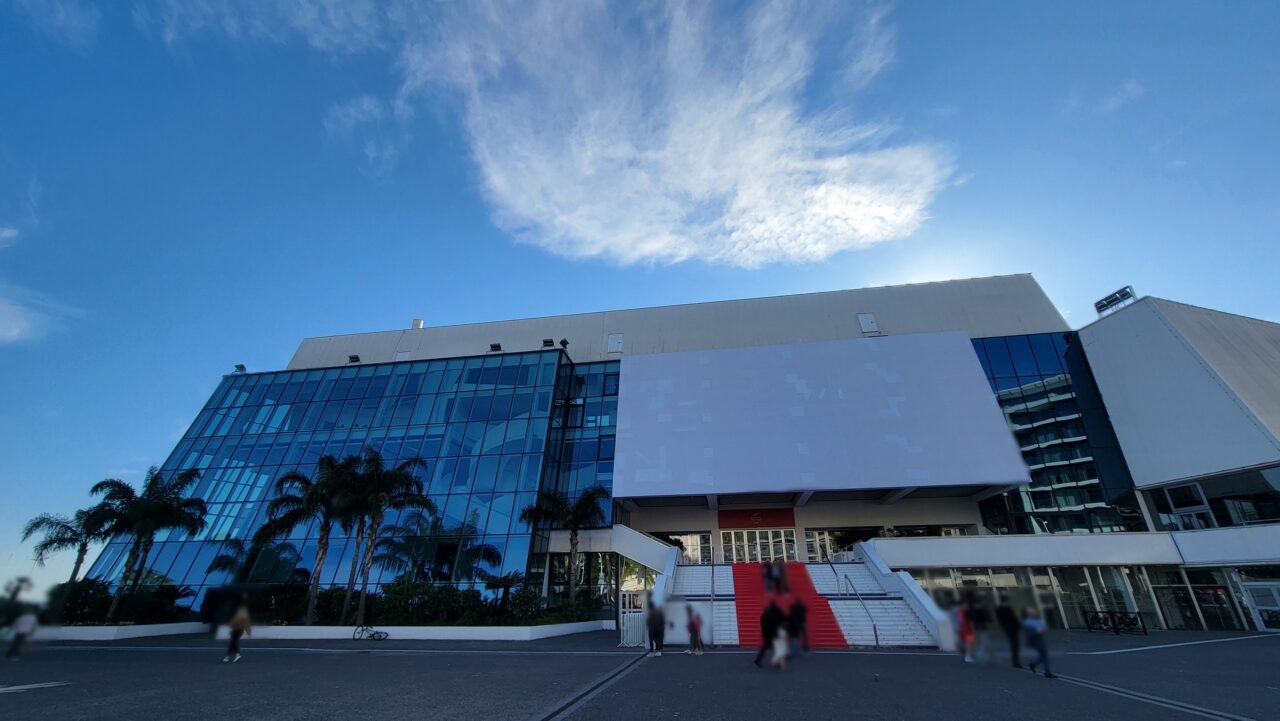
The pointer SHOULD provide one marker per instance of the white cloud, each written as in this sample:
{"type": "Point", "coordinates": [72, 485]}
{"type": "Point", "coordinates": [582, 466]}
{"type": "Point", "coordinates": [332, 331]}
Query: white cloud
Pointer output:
{"type": "Point", "coordinates": [1128, 92]}
{"type": "Point", "coordinates": [673, 136]}
{"type": "Point", "coordinates": [637, 133]}
{"type": "Point", "coordinates": [8, 235]}
{"type": "Point", "coordinates": [69, 21]}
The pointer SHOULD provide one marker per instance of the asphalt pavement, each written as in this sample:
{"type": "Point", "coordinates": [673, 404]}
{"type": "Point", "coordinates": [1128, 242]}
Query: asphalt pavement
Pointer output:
{"type": "Point", "coordinates": [1163, 676]}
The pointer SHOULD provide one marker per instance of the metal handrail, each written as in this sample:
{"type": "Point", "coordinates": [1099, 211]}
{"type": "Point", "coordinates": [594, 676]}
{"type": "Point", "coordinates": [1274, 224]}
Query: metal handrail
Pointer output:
{"type": "Point", "coordinates": [875, 632]}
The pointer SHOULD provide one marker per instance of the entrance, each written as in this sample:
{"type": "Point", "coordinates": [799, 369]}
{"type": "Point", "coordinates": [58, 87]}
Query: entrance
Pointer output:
{"type": "Point", "coordinates": [765, 544]}
{"type": "Point", "coordinates": [1265, 598]}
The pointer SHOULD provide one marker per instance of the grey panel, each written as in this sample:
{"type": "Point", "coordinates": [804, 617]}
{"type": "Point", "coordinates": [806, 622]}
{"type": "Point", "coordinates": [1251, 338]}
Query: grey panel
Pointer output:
{"type": "Point", "coordinates": [891, 412]}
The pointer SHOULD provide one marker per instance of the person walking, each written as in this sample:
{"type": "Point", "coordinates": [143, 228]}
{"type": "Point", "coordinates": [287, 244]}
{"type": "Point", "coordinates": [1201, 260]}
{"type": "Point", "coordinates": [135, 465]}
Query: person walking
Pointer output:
{"type": "Point", "coordinates": [766, 570]}
{"type": "Point", "coordinates": [24, 626]}
{"type": "Point", "coordinates": [964, 632]}
{"type": "Point", "coordinates": [657, 627]}
{"type": "Point", "coordinates": [797, 626]}
{"type": "Point", "coordinates": [694, 626]}
{"type": "Point", "coordinates": [979, 619]}
{"type": "Point", "coordinates": [239, 625]}
{"type": "Point", "coordinates": [1034, 627]}
{"type": "Point", "coordinates": [1012, 627]}
{"type": "Point", "coordinates": [784, 585]}
{"type": "Point", "coordinates": [771, 622]}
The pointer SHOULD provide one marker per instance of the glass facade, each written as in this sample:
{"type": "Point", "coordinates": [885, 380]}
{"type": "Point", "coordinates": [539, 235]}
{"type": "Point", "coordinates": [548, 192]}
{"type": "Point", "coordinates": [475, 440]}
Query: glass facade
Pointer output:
{"type": "Point", "coordinates": [481, 424]}
{"type": "Point", "coordinates": [1079, 482]}
{"type": "Point", "coordinates": [580, 455]}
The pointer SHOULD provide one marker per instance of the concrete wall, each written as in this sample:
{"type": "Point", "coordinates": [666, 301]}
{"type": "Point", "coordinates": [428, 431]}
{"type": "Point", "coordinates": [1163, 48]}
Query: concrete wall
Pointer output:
{"type": "Point", "coordinates": [116, 633]}
{"type": "Point", "coordinates": [1003, 305]}
{"type": "Point", "coordinates": [1162, 370]}
{"type": "Point", "coordinates": [1243, 546]}
{"type": "Point", "coordinates": [433, 633]}
{"type": "Point", "coordinates": [832, 514]}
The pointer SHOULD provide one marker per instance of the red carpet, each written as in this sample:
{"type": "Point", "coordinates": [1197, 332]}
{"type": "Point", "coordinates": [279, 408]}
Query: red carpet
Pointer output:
{"type": "Point", "coordinates": [748, 589]}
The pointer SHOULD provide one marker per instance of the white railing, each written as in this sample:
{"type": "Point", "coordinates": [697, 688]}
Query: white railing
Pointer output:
{"type": "Point", "coordinates": [935, 621]}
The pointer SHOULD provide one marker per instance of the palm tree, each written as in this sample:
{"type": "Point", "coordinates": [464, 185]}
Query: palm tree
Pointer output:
{"type": "Point", "coordinates": [408, 547]}
{"type": "Point", "coordinates": [301, 500]}
{"type": "Point", "coordinates": [162, 505]}
{"type": "Point", "coordinates": [506, 583]}
{"type": "Point", "coordinates": [239, 559]}
{"type": "Point", "coordinates": [381, 489]}
{"type": "Point", "coordinates": [62, 534]}
{"type": "Point", "coordinates": [553, 509]}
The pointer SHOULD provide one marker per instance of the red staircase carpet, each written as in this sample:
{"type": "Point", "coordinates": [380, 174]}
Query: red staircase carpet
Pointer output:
{"type": "Point", "coordinates": [750, 597]}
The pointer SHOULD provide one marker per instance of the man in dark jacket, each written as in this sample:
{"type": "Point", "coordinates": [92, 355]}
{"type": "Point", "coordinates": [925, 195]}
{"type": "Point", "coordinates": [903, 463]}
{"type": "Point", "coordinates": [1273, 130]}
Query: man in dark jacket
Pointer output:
{"type": "Point", "coordinates": [657, 627]}
{"type": "Point", "coordinates": [1009, 623]}
{"type": "Point", "coordinates": [771, 622]}
{"type": "Point", "coordinates": [797, 628]}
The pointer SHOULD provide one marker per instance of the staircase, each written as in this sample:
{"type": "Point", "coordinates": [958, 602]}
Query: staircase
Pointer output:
{"type": "Point", "coordinates": [748, 584]}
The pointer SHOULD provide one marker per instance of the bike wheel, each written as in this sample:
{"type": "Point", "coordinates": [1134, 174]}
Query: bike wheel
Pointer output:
{"type": "Point", "coordinates": [379, 635]}
{"type": "Point", "coordinates": [359, 633]}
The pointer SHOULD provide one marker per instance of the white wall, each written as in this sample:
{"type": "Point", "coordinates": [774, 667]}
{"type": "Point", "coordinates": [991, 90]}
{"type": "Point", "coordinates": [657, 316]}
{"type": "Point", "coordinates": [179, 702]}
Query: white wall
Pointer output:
{"type": "Point", "coordinates": [1003, 305]}
{"type": "Point", "coordinates": [433, 633]}
{"type": "Point", "coordinates": [1174, 414]}
{"type": "Point", "coordinates": [1048, 550]}
{"type": "Point", "coordinates": [894, 412]}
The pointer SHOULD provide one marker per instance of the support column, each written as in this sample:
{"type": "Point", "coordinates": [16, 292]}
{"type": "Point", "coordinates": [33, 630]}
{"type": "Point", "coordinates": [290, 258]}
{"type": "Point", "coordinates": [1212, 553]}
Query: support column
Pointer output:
{"type": "Point", "coordinates": [1194, 603]}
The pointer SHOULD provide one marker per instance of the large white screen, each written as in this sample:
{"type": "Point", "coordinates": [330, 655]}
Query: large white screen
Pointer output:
{"type": "Point", "coordinates": [891, 412]}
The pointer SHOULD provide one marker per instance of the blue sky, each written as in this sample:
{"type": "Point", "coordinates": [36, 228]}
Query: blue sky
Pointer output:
{"type": "Point", "coordinates": [189, 184]}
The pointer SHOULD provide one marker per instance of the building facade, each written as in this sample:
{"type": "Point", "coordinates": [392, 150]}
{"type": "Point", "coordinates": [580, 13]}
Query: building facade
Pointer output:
{"type": "Point", "coordinates": [959, 416]}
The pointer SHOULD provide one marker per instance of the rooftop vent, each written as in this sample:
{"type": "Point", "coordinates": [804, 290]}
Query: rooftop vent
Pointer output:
{"type": "Point", "coordinates": [416, 324]}
{"type": "Point", "coordinates": [353, 358]}
{"type": "Point", "coordinates": [239, 368]}
{"type": "Point", "coordinates": [495, 347]}
{"type": "Point", "coordinates": [548, 343]}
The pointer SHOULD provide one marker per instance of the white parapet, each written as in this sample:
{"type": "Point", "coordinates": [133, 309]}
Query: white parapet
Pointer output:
{"type": "Point", "coordinates": [433, 633]}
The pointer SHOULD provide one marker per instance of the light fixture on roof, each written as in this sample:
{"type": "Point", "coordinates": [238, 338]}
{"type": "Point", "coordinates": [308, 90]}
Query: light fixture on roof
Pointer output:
{"type": "Point", "coordinates": [548, 343]}
{"type": "Point", "coordinates": [495, 347]}
{"type": "Point", "coordinates": [239, 368]}
{"type": "Point", "coordinates": [1118, 299]}
{"type": "Point", "coordinates": [564, 343]}
{"type": "Point", "coordinates": [353, 358]}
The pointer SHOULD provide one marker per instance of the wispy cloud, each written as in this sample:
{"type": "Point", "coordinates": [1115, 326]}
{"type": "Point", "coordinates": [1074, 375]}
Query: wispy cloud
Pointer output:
{"type": "Point", "coordinates": [26, 315]}
{"type": "Point", "coordinates": [1128, 92]}
{"type": "Point", "coordinates": [69, 21]}
{"type": "Point", "coordinates": [8, 235]}
{"type": "Point", "coordinates": [684, 137]}
{"type": "Point", "coordinates": [636, 133]}
{"type": "Point", "coordinates": [363, 122]}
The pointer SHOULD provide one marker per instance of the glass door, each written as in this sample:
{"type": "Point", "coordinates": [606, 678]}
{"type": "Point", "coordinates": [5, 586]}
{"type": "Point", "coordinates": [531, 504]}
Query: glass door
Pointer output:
{"type": "Point", "coordinates": [754, 546]}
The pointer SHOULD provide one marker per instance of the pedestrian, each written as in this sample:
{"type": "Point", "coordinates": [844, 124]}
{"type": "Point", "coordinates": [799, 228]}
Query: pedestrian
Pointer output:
{"type": "Point", "coordinates": [766, 570]}
{"type": "Point", "coordinates": [239, 625]}
{"type": "Point", "coordinates": [964, 632]}
{"type": "Point", "coordinates": [979, 620]}
{"type": "Point", "coordinates": [771, 623]}
{"type": "Point", "coordinates": [1033, 626]}
{"type": "Point", "coordinates": [695, 632]}
{"type": "Point", "coordinates": [797, 626]}
{"type": "Point", "coordinates": [1008, 620]}
{"type": "Point", "coordinates": [657, 627]}
{"type": "Point", "coordinates": [784, 586]}
{"type": "Point", "coordinates": [24, 626]}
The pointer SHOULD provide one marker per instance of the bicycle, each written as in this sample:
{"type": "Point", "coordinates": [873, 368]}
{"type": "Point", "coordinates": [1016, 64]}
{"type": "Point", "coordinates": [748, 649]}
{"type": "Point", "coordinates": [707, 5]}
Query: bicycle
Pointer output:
{"type": "Point", "coordinates": [368, 633]}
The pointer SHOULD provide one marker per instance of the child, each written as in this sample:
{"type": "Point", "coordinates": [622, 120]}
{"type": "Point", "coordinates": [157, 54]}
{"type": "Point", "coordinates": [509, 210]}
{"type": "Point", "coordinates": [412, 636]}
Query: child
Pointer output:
{"type": "Point", "coordinates": [780, 650]}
